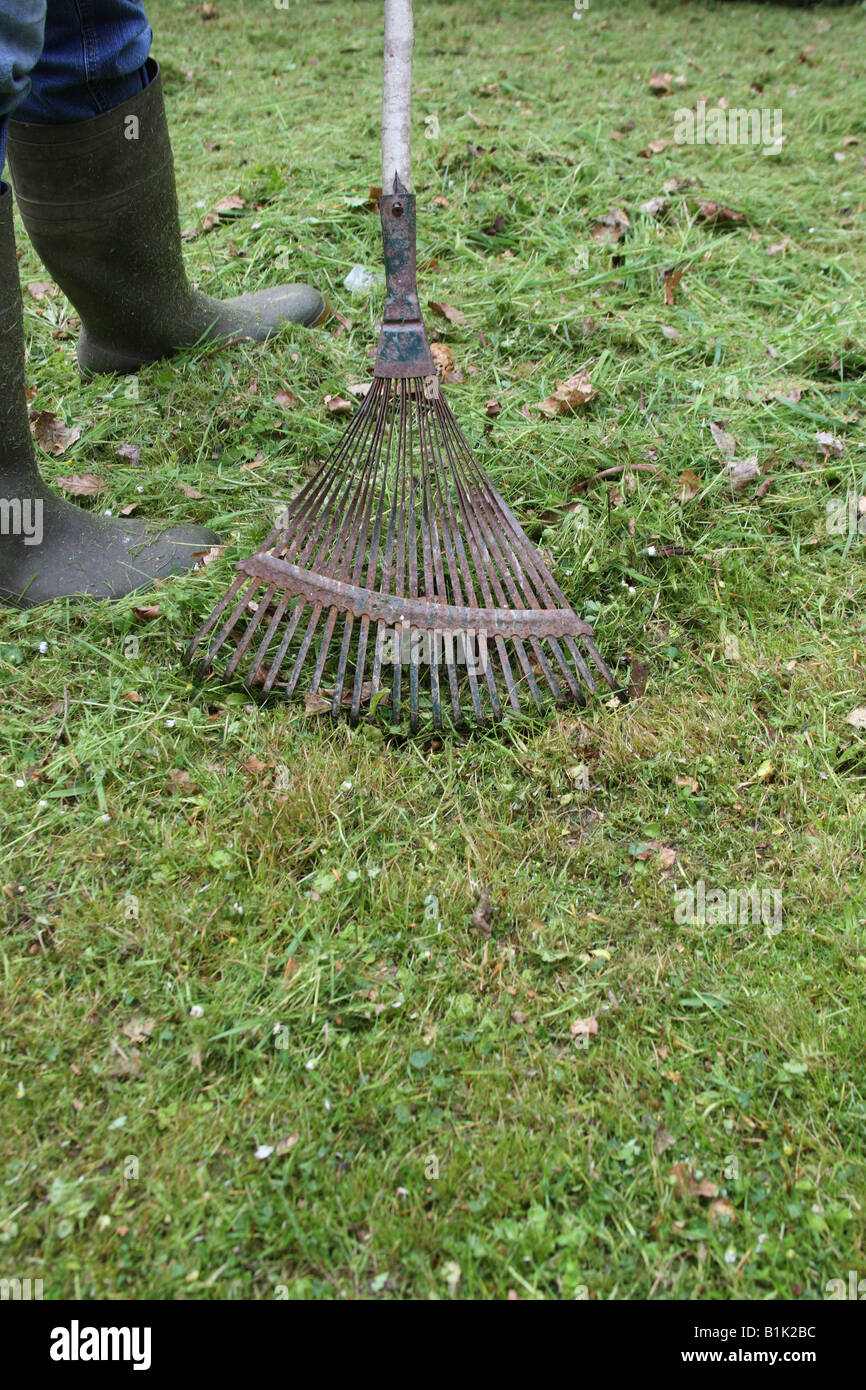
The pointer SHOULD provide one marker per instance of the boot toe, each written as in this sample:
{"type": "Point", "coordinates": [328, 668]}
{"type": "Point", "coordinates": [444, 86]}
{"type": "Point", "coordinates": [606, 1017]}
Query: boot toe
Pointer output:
{"type": "Point", "coordinates": [265, 311]}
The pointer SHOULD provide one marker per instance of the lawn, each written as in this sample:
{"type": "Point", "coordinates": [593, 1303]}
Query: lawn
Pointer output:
{"type": "Point", "coordinates": [294, 1009]}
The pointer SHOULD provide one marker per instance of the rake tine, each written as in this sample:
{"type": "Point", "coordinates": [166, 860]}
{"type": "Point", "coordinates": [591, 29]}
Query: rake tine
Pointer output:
{"type": "Point", "coordinates": [282, 649]}
{"type": "Point", "coordinates": [268, 638]}
{"type": "Point", "coordinates": [213, 620]}
{"type": "Point", "coordinates": [303, 649]}
{"type": "Point", "coordinates": [252, 627]}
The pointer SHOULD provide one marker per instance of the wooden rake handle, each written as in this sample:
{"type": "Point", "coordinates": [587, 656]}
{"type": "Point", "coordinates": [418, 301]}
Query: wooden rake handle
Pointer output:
{"type": "Point", "coordinates": [397, 95]}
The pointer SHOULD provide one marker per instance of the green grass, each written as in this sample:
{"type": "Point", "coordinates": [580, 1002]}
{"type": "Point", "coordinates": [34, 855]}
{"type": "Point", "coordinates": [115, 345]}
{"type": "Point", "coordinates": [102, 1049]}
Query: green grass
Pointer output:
{"type": "Point", "coordinates": [229, 926]}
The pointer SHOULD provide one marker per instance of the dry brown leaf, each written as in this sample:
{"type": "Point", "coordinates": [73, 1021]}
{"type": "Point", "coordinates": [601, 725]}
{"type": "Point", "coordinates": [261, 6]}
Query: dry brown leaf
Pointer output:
{"type": "Point", "coordinates": [191, 492]}
{"type": "Point", "coordinates": [721, 1210]}
{"type": "Point", "coordinates": [493, 408]}
{"type": "Point", "coordinates": [443, 357]}
{"type": "Point", "coordinates": [671, 279]}
{"type": "Point", "coordinates": [584, 1027]}
{"type": "Point", "coordinates": [828, 445]}
{"type": "Point", "coordinates": [146, 611]}
{"type": "Point", "coordinates": [39, 289]}
{"type": "Point", "coordinates": [654, 147]}
{"type": "Point", "coordinates": [569, 395]}
{"type": "Point", "coordinates": [686, 1184]}
{"type": "Point", "coordinates": [663, 1141]}
{"type": "Point", "coordinates": [138, 1029]}
{"type": "Point", "coordinates": [655, 207]}
{"type": "Point", "coordinates": [612, 227]}
{"type": "Point", "coordinates": [179, 780]}
{"type": "Point", "coordinates": [857, 717]}
{"type": "Point", "coordinates": [286, 398]}
{"type": "Point", "coordinates": [255, 766]}
{"type": "Point", "coordinates": [725, 443]}
{"type": "Point", "coordinates": [779, 246]}
{"type": "Point", "coordinates": [51, 433]}
{"type": "Point", "coordinates": [133, 697]}
{"type": "Point", "coordinates": [130, 452]}
{"type": "Point", "coordinates": [741, 472]}
{"type": "Point", "coordinates": [338, 405]}
{"type": "Point", "coordinates": [714, 214]}
{"type": "Point", "coordinates": [231, 203]}
{"type": "Point", "coordinates": [482, 916]}
{"type": "Point", "coordinates": [447, 311]}
{"type": "Point", "coordinates": [660, 84]}
{"type": "Point", "coordinates": [80, 484]}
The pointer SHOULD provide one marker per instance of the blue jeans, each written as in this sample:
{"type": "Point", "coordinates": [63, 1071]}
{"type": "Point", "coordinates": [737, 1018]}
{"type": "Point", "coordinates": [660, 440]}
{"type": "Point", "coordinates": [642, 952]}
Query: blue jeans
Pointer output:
{"type": "Point", "coordinates": [68, 60]}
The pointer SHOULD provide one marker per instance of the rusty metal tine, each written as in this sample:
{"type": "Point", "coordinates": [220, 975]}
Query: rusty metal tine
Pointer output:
{"type": "Point", "coordinates": [283, 648]}
{"type": "Point", "coordinates": [585, 674]}
{"type": "Point", "coordinates": [303, 649]}
{"type": "Point", "coordinates": [252, 626]}
{"type": "Point", "coordinates": [594, 653]}
{"type": "Point", "coordinates": [348, 624]}
{"type": "Point", "coordinates": [213, 619]}
{"type": "Point", "coordinates": [236, 612]}
{"type": "Point", "coordinates": [573, 687]}
{"type": "Point", "coordinates": [360, 662]}
{"type": "Point", "coordinates": [555, 688]}
{"type": "Point", "coordinates": [327, 634]}
{"type": "Point", "coordinates": [268, 638]}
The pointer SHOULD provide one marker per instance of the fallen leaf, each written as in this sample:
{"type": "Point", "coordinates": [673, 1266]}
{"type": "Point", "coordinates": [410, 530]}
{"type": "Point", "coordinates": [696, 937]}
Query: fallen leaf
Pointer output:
{"type": "Point", "coordinates": [138, 1029]}
{"type": "Point", "coordinates": [828, 445]}
{"type": "Point", "coordinates": [284, 1145]}
{"type": "Point", "coordinates": [720, 1210]}
{"type": "Point", "coordinates": [482, 916]}
{"type": "Point", "coordinates": [39, 289]}
{"type": "Point", "coordinates": [655, 207]}
{"type": "Point", "coordinates": [612, 227]}
{"type": "Point", "coordinates": [779, 246]}
{"type": "Point", "coordinates": [660, 84]}
{"type": "Point", "coordinates": [741, 472]}
{"type": "Point", "coordinates": [725, 443]}
{"type": "Point", "coordinates": [663, 1140]}
{"type": "Point", "coordinates": [180, 781]}
{"type": "Point", "coordinates": [654, 147]}
{"type": "Point", "coordinates": [81, 484]}
{"type": "Point", "coordinates": [493, 408]}
{"type": "Point", "coordinates": [670, 333]}
{"type": "Point", "coordinates": [264, 1151]}
{"type": "Point", "coordinates": [255, 766]}
{"type": "Point", "coordinates": [447, 311]}
{"type": "Point", "coordinates": [231, 203]}
{"type": "Point", "coordinates": [671, 279]}
{"type": "Point", "coordinates": [191, 492]}
{"type": "Point", "coordinates": [686, 1184]}
{"type": "Point", "coordinates": [130, 452]}
{"type": "Point", "coordinates": [857, 717]}
{"type": "Point", "coordinates": [569, 395]}
{"type": "Point", "coordinates": [684, 781]}
{"type": "Point", "coordinates": [443, 357]}
{"type": "Point", "coordinates": [639, 674]}
{"type": "Point", "coordinates": [133, 697]}
{"type": "Point", "coordinates": [584, 1027]}
{"type": "Point", "coordinates": [714, 214]}
{"type": "Point", "coordinates": [286, 398]}
{"type": "Point", "coordinates": [147, 611]}
{"type": "Point", "coordinates": [129, 509]}
{"type": "Point", "coordinates": [338, 405]}
{"type": "Point", "coordinates": [54, 436]}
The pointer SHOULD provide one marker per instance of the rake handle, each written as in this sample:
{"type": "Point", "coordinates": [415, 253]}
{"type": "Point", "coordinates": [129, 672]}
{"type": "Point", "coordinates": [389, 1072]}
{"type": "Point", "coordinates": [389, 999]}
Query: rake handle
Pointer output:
{"type": "Point", "coordinates": [397, 95]}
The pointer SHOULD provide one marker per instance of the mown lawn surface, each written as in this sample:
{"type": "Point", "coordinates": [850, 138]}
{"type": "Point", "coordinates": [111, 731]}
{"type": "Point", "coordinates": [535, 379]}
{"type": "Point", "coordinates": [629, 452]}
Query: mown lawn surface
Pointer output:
{"type": "Point", "coordinates": [230, 928]}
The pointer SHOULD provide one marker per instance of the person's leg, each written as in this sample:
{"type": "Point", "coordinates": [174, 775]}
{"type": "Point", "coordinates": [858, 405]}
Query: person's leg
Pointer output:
{"type": "Point", "coordinates": [93, 58]}
{"type": "Point", "coordinates": [48, 547]}
{"type": "Point", "coordinates": [98, 199]}
{"type": "Point", "coordinates": [22, 35]}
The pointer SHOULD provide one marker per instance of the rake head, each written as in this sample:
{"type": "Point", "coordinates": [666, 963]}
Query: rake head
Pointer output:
{"type": "Point", "coordinates": [400, 565]}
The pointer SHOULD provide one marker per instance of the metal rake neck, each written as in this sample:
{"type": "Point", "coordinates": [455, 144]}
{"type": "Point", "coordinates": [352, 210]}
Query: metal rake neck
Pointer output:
{"type": "Point", "coordinates": [403, 347]}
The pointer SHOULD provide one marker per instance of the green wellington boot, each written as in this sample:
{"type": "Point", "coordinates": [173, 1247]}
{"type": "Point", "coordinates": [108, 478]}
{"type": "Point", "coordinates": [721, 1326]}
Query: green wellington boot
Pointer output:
{"type": "Point", "coordinates": [50, 548]}
{"type": "Point", "coordinates": [99, 203]}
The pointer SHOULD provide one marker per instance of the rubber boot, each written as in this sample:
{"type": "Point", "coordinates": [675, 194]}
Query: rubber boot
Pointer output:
{"type": "Point", "coordinates": [48, 547]}
{"type": "Point", "coordinates": [99, 203]}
